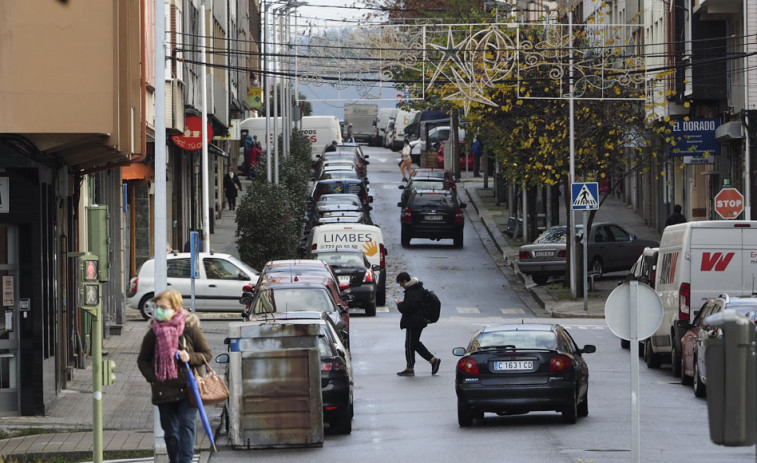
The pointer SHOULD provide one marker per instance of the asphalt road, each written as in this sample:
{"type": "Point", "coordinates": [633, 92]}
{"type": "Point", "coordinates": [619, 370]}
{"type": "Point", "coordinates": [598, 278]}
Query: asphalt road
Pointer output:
{"type": "Point", "coordinates": [414, 419]}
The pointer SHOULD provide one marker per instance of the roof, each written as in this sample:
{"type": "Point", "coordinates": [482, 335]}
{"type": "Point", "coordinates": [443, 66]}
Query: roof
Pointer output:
{"type": "Point", "coordinates": [520, 327]}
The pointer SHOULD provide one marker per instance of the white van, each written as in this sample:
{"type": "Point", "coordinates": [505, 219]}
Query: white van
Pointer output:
{"type": "Point", "coordinates": [367, 238]}
{"type": "Point", "coordinates": [321, 130]}
{"type": "Point", "coordinates": [698, 261]}
{"type": "Point", "coordinates": [401, 120]}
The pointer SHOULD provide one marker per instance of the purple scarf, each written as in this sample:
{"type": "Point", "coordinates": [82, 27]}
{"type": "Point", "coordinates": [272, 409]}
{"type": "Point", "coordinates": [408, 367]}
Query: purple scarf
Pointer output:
{"type": "Point", "coordinates": [166, 343]}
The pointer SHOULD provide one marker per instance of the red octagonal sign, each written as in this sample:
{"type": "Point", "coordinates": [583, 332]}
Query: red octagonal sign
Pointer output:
{"type": "Point", "coordinates": [729, 203]}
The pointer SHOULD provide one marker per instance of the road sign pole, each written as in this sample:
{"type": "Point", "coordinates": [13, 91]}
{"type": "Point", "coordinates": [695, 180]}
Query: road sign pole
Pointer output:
{"type": "Point", "coordinates": [585, 242]}
{"type": "Point", "coordinates": [635, 428]}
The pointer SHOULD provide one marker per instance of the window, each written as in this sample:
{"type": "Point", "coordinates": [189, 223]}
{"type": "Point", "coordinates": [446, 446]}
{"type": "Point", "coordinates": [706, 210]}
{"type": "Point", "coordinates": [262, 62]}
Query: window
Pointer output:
{"type": "Point", "coordinates": [178, 268]}
{"type": "Point", "coordinates": [220, 269]}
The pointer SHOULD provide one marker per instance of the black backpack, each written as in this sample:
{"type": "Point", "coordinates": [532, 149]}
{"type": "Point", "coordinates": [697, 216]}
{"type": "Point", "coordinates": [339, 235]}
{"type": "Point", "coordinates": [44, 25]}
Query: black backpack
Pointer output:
{"type": "Point", "coordinates": [433, 306]}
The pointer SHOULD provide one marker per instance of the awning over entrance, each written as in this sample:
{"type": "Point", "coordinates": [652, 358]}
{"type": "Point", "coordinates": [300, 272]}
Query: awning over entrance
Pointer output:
{"type": "Point", "coordinates": [730, 131]}
{"type": "Point", "coordinates": [80, 152]}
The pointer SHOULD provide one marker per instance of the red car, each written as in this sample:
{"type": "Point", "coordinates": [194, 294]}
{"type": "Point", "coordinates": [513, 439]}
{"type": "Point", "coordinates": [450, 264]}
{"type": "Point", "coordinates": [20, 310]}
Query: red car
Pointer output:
{"type": "Point", "coordinates": [464, 156]}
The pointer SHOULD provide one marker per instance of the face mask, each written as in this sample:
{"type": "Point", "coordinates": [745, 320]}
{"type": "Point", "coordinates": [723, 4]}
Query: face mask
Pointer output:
{"type": "Point", "coordinates": [163, 315]}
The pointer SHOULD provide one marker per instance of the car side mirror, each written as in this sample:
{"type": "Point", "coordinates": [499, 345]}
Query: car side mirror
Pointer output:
{"type": "Point", "coordinates": [685, 324]}
{"type": "Point", "coordinates": [222, 358]}
{"type": "Point", "coordinates": [366, 156]}
{"type": "Point", "coordinates": [458, 351]}
{"type": "Point", "coordinates": [401, 187]}
{"type": "Point", "coordinates": [370, 199]}
{"type": "Point", "coordinates": [376, 268]}
{"type": "Point", "coordinates": [463, 205]}
{"type": "Point", "coordinates": [589, 349]}
{"type": "Point", "coordinates": [399, 204]}
{"type": "Point", "coordinates": [367, 182]}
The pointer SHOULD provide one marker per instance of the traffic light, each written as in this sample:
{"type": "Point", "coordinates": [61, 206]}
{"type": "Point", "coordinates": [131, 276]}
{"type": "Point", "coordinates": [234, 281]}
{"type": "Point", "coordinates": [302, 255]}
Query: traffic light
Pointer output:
{"type": "Point", "coordinates": [730, 364]}
{"type": "Point", "coordinates": [99, 238]}
{"type": "Point", "coordinates": [109, 375]}
{"type": "Point", "coordinates": [89, 284]}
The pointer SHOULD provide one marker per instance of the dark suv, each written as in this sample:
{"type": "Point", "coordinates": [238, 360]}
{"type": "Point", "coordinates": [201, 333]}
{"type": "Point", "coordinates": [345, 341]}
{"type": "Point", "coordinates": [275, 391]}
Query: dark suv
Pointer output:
{"type": "Point", "coordinates": [432, 214]}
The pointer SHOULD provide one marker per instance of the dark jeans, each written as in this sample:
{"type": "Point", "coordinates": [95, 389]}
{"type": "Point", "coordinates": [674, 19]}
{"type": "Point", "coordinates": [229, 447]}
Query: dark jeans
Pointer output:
{"type": "Point", "coordinates": [178, 421]}
{"type": "Point", "coordinates": [413, 344]}
{"type": "Point", "coordinates": [232, 202]}
{"type": "Point", "coordinates": [476, 165]}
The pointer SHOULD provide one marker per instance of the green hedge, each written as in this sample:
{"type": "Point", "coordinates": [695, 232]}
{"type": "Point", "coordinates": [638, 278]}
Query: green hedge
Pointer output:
{"type": "Point", "coordinates": [270, 217]}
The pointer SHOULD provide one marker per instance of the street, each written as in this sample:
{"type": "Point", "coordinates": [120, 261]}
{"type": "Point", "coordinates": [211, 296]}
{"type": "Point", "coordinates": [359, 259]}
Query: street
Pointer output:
{"type": "Point", "coordinates": [414, 419]}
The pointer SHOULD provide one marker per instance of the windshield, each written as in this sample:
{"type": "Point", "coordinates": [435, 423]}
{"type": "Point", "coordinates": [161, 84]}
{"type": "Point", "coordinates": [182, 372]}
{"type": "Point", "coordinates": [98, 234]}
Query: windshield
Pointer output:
{"type": "Point", "coordinates": [271, 300]}
{"type": "Point", "coordinates": [516, 339]}
{"type": "Point", "coordinates": [337, 259]}
{"type": "Point", "coordinates": [557, 235]}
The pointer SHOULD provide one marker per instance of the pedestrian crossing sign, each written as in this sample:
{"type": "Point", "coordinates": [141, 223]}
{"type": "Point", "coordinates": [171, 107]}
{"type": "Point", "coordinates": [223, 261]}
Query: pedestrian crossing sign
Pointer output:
{"type": "Point", "coordinates": [585, 196]}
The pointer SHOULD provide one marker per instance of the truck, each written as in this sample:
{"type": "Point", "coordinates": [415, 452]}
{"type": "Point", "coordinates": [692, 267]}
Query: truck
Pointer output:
{"type": "Point", "coordinates": [384, 119]}
{"type": "Point", "coordinates": [364, 120]}
{"type": "Point", "coordinates": [320, 131]}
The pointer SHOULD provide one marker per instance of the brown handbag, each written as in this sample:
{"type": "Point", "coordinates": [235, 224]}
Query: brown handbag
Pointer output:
{"type": "Point", "coordinates": [212, 388]}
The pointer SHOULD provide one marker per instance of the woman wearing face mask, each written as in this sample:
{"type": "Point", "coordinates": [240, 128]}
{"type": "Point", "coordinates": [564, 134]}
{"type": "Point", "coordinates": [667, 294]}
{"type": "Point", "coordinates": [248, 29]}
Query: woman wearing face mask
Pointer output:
{"type": "Point", "coordinates": [173, 331]}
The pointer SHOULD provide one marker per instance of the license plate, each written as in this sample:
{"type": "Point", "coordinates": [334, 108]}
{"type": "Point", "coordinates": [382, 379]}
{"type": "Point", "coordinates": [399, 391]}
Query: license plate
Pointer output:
{"type": "Point", "coordinates": [344, 279]}
{"type": "Point", "coordinates": [434, 217]}
{"type": "Point", "coordinates": [544, 253]}
{"type": "Point", "coordinates": [514, 365]}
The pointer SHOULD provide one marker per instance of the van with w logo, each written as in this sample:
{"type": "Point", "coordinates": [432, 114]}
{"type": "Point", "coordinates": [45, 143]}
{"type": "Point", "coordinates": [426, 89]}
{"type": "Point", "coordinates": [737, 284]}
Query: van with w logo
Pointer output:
{"type": "Point", "coordinates": [698, 261]}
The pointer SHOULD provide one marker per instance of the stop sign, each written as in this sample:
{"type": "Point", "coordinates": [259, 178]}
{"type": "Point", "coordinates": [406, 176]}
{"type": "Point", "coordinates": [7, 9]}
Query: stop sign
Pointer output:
{"type": "Point", "coordinates": [729, 203]}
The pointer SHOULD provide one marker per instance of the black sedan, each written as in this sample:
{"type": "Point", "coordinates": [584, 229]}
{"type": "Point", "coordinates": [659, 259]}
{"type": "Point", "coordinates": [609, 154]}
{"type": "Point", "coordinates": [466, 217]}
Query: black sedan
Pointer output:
{"type": "Point", "coordinates": [518, 368]}
{"type": "Point", "coordinates": [346, 265]}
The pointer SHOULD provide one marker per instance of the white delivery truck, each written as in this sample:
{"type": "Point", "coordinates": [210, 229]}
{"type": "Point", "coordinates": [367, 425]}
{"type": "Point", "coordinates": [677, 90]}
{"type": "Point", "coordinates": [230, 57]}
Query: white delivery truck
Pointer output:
{"type": "Point", "coordinates": [698, 261]}
{"type": "Point", "coordinates": [401, 120]}
{"type": "Point", "coordinates": [385, 116]}
{"type": "Point", "coordinates": [367, 238]}
{"type": "Point", "coordinates": [363, 119]}
{"type": "Point", "coordinates": [320, 130]}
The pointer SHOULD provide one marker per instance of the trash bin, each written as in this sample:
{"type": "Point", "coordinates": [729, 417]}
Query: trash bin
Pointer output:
{"type": "Point", "coordinates": [274, 385]}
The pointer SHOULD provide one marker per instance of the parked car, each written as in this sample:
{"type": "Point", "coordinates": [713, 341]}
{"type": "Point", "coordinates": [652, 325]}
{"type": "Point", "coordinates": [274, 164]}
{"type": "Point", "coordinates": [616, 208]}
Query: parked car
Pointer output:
{"type": "Point", "coordinates": [434, 173]}
{"type": "Point", "coordinates": [351, 156]}
{"type": "Point", "coordinates": [217, 287]}
{"type": "Point", "coordinates": [337, 380]}
{"type": "Point", "coordinates": [466, 157]}
{"type": "Point", "coordinates": [348, 264]}
{"type": "Point", "coordinates": [611, 248]}
{"type": "Point", "coordinates": [518, 368]}
{"type": "Point", "coordinates": [301, 294]}
{"type": "Point", "coordinates": [696, 333]}
{"type": "Point", "coordinates": [643, 271]}
{"type": "Point", "coordinates": [353, 186]}
{"type": "Point", "coordinates": [432, 214]}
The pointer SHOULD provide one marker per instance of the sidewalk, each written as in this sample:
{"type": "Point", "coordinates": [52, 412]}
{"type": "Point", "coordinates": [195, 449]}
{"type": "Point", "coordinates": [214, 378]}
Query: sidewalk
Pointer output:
{"type": "Point", "coordinates": [554, 299]}
{"type": "Point", "coordinates": [127, 412]}
{"type": "Point", "coordinates": [66, 429]}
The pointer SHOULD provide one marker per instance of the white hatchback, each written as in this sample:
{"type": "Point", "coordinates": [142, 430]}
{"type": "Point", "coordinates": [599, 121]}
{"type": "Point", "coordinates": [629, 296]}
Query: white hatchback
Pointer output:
{"type": "Point", "coordinates": [217, 289]}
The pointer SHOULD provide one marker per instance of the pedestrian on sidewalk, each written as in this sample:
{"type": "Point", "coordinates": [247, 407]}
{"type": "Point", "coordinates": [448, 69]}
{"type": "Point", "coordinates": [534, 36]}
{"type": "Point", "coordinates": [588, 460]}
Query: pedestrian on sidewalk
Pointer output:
{"type": "Point", "coordinates": [231, 185]}
{"type": "Point", "coordinates": [478, 151]}
{"type": "Point", "coordinates": [172, 331]}
{"type": "Point", "coordinates": [413, 321]}
{"type": "Point", "coordinates": [676, 216]}
{"type": "Point", "coordinates": [406, 163]}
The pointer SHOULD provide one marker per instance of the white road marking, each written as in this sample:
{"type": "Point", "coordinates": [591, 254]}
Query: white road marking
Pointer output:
{"type": "Point", "coordinates": [515, 312]}
{"type": "Point", "coordinates": [468, 310]}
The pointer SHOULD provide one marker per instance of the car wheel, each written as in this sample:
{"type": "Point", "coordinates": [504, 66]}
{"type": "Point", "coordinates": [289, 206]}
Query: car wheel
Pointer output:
{"type": "Point", "coordinates": [570, 412]}
{"type": "Point", "coordinates": [539, 278]}
{"type": "Point", "coordinates": [458, 239]}
{"type": "Point", "coordinates": [381, 290]}
{"type": "Point", "coordinates": [343, 424]}
{"type": "Point", "coordinates": [147, 306]}
{"type": "Point", "coordinates": [597, 267]}
{"type": "Point", "coordinates": [583, 407]}
{"type": "Point", "coordinates": [625, 344]}
{"type": "Point", "coordinates": [651, 359]}
{"type": "Point", "coordinates": [699, 387]}
{"type": "Point", "coordinates": [405, 238]}
{"type": "Point", "coordinates": [685, 379]}
{"type": "Point", "coordinates": [675, 362]}
{"type": "Point", "coordinates": [370, 310]}
{"type": "Point", "coordinates": [464, 415]}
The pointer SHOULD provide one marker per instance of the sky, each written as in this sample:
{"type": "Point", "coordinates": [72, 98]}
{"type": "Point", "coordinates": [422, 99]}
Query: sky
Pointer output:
{"type": "Point", "coordinates": [336, 14]}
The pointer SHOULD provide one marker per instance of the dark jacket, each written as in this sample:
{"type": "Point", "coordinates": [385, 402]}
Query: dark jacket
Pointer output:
{"type": "Point", "coordinates": [675, 218]}
{"type": "Point", "coordinates": [411, 307]}
{"type": "Point", "coordinates": [174, 390]}
{"type": "Point", "coordinates": [231, 185]}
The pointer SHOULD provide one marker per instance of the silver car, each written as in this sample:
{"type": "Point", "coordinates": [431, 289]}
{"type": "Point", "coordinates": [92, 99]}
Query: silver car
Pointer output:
{"type": "Point", "coordinates": [611, 248]}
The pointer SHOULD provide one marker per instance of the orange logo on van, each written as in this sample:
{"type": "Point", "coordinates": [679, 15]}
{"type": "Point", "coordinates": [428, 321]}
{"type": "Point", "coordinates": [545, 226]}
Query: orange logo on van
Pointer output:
{"type": "Point", "coordinates": [370, 248]}
{"type": "Point", "coordinates": [717, 260]}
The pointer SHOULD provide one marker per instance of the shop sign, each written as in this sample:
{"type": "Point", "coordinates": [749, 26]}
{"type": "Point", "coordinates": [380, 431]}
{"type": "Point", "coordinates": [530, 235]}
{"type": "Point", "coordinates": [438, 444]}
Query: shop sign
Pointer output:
{"type": "Point", "coordinates": [191, 139]}
{"type": "Point", "coordinates": [694, 137]}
